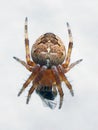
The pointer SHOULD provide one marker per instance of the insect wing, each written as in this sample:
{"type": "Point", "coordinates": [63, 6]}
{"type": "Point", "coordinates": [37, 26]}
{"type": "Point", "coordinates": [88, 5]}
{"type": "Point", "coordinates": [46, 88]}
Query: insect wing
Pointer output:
{"type": "Point", "coordinates": [48, 103]}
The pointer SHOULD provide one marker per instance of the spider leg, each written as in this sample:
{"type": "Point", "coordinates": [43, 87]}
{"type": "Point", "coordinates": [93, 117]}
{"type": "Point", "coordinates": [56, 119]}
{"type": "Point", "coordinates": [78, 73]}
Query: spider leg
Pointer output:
{"type": "Point", "coordinates": [54, 90]}
{"type": "Point", "coordinates": [29, 62]}
{"type": "Point", "coordinates": [64, 78]}
{"type": "Point", "coordinates": [65, 65]}
{"type": "Point", "coordinates": [23, 63]}
{"type": "Point", "coordinates": [36, 82]}
{"type": "Point", "coordinates": [58, 83]}
{"type": "Point", "coordinates": [35, 70]}
{"type": "Point", "coordinates": [72, 65]}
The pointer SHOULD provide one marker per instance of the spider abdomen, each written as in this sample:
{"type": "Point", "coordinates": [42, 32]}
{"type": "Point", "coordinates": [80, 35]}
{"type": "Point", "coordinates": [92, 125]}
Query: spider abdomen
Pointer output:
{"type": "Point", "coordinates": [48, 50]}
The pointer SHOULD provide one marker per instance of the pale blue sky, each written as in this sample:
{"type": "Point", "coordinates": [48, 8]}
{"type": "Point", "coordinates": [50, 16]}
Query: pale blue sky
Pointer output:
{"type": "Point", "coordinates": [79, 112]}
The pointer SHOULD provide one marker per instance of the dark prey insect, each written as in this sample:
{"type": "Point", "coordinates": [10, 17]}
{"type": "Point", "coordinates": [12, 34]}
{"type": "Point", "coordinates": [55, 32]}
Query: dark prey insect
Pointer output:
{"type": "Point", "coordinates": [48, 66]}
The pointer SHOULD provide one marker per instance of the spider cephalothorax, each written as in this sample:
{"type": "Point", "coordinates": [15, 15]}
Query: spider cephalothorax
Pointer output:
{"type": "Point", "coordinates": [49, 65]}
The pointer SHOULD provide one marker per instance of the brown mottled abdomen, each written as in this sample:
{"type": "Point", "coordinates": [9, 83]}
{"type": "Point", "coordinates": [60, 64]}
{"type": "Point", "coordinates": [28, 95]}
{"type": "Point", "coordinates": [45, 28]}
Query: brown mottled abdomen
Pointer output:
{"type": "Point", "coordinates": [48, 50]}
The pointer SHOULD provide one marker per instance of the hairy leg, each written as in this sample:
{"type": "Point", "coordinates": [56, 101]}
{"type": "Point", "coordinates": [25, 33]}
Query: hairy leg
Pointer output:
{"type": "Point", "coordinates": [66, 64]}
{"type": "Point", "coordinates": [36, 82]}
{"type": "Point", "coordinates": [29, 62]}
{"type": "Point", "coordinates": [35, 70]}
{"type": "Point", "coordinates": [64, 78]}
{"type": "Point", "coordinates": [23, 63]}
{"type": "Point", "coordinates": [58, 83]}
{"type": "Point", "coordinates": [72, 65]}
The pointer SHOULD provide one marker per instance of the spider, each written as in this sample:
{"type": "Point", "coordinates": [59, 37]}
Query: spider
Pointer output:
{"type": "Point", "coordinates": [48, 66]}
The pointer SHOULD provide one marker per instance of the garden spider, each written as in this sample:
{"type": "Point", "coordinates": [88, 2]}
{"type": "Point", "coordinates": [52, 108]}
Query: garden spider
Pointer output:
{"type": "Point", "coordinates": [47, 68]}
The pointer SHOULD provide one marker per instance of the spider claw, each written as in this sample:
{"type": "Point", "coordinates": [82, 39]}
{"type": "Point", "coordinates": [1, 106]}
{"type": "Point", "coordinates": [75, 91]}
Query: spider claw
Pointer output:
{"type": "Point", "coordinates": [71, 91]}
{"type": "Point", "coordinates": [26, 19]}
{"type": "Point", "coordinates": [67, 24]}
{"type": "Point", "coordinates": [79, 61]}
{"type": "Point", "coordinates": [16, 58]}
{"type": "Point", "coordinates": [28, 98]}
{"type": "Point", "coordinates": [22, 89]}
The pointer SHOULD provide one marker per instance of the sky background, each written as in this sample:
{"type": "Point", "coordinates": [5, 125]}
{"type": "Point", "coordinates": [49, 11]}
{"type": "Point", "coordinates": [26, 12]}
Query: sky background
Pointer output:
{"type": "Point", "coordinates": [79, 112]}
